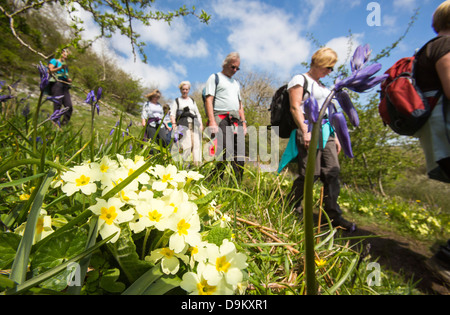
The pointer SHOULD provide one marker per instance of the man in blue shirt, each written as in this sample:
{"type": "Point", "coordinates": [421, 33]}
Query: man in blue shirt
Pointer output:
{"type": "Point", "coordinates": [226, 114]}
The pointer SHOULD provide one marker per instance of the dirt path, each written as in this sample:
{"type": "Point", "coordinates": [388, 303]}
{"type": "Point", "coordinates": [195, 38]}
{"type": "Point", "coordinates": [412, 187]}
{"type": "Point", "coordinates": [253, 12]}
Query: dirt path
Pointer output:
{"type": "Point", "coordinates": [400, 254]}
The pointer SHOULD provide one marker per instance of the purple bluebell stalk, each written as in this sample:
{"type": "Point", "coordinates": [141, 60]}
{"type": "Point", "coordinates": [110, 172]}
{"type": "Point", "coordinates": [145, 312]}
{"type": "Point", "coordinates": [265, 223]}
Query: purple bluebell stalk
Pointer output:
{"type": "Point", "coordinates": [115, 126]}
{"type": "Point", "coordinates": [43, 73]}
{"type": "Point", "coordinates": [26, 110]}
{"type": "Point", "coordinates": [361, 80]}
{"type": "Point", "coordinates": [99, 94]}
{"type": "Point", "coordinates": [4, 98]}
{"type": "Point", "coordinates": [340, 127]}
{"type": "Point", "coordinates": [55, 99]}
{"type": "Point", "coordinates": [178, 133]}
{"type": "Point", "coordinates": [90, 98]}
{"type": "Point", "coordinates": [360, 57]}
{"type": "Point", "coordinates": [346, 104]}
{"type": "Point", "coordinates": [311, 108]}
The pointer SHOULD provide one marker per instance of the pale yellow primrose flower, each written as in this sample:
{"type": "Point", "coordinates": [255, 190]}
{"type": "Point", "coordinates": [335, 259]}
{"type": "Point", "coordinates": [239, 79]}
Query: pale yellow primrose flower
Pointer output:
{"type": "Point", "coordinates": [79, 178]}
{"type": "Point", "coordinates": [105, 168]}
{"type": "Point", "coordinates": [110, 216]}
{"type": "Point", "coordinates": [176, 199]}
{"type": "Point", "coordinates": [186, 225]}
{"type": "Point", "coordinates": [131, 166]}
{"type": "Point", "coordinates": [224, 263]}
{"type": "Point", "coordinates": [196, 284]}
{"type": "Point", "coordinates": [129, 192]}
{"type": "Point", "coordinates": [169, 259]}
{"type": "Point", "coordinates": [153, 213]}
{"type": "Point", "coordinates": [43, 227]}
{"type": "Point", "coordinates": [165, 176]}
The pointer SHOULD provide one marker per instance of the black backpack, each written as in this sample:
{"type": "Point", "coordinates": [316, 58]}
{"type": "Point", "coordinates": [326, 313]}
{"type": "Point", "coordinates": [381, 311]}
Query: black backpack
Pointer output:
{"type": "Point", "coordinates": [280, 110]}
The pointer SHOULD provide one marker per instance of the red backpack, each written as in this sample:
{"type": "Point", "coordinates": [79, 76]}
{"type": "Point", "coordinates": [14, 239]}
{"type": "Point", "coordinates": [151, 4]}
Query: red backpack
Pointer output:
{"type": "Point", "coordinates": [403, 106]}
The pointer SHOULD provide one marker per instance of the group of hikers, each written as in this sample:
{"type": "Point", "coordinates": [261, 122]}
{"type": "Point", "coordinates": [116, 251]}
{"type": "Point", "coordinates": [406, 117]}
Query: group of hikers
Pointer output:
{"type": "Point", "coordinates": [225, 115]}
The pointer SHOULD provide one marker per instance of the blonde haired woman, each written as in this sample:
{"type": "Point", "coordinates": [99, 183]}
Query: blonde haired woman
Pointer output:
{"type": "Point", "coordinates": [184, 114]}
{"type": "Point", "coordinates": [327, 163]}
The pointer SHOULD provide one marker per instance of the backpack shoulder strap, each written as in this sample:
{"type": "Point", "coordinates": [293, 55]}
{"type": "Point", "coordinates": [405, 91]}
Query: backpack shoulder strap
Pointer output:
{"type": "Point", "coordinates": [305, 86]}
{"type": "Point", "coordinates": [217, 83]}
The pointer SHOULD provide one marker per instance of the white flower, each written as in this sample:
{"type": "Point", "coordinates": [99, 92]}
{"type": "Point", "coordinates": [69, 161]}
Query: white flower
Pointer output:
{"type": "Point", "coordinates": [224, 263]}
{"type": "Point", "coordinates": [177, 199]}
{"type": "Point", "coordinates": [105, 168]}
{"type": "Point", "coordinates": [127, 194]}
{"type": "Point", "coordinates": [43, 227]}
{"type": "Point", "coordinates": [224, 221]}
{"type": "Point", "coordinates": [186, 225]}
{"type": "Point", "coordinates": [169, 259]}
{"type": "Point", "coordinates": [165, 176]}
{"type": "Point", "coordinates": [110, 216]}
{"type": "Point", "coordinates": [131, 166]}
{"type": "Point", "coordinates": [154, 213]}
{"type": "Point", "coordinates": [196, 284]}
{"type": "Point", "coordinates": [80, 178]}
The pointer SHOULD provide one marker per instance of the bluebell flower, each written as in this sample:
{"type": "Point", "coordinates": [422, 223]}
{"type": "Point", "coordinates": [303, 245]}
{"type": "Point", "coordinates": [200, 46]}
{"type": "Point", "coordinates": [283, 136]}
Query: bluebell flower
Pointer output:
{"type": "Point", "coordinates": [360, 57]}
{"type": "Point", "coordinates": [45, 76]}
{"type": "Point", "coordinates": [90, 98]}
{"type": "Point", "coordinates": [55, 99]}
{"type": "Point", "coordinates": [311, 108]}
{"type": "Point", "coordinates": [346, 104]}
{"type": "Point", "coordinates": [361, 80]}
{"type": "Point", "coordinates": [340, 127]}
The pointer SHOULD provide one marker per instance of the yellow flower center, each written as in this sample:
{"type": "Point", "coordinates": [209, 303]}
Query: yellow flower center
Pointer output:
{"type": "Point", "coordinates": [167, 252]}
{"type": "Point", "coordinates": [40, 225]}
{"type": "Point", "coordinates": [166, 178]}
{"type": "Point", "coordinates": [131, 171]}
{"type": "Point", "coordinates": [104, 168]}
{"type": "Point", "coordinates": [175, 209]}
{"type": "Point", "coordinates": [82, 181]}
{"type": "Point", "coordinates": [124, 197]}
{"type": "Point", "coordinates": [182, 227]}
{"type": "Point", "coordinates": [108, 215]}
{"type": "Point", "coordinates": [222, 264]}
{"type": "Point", "coordinates": [154, 215]}
{"type": "Point", "coordinates": [205, 289]}
{"type": "Point", "coordinates": [194, 250]}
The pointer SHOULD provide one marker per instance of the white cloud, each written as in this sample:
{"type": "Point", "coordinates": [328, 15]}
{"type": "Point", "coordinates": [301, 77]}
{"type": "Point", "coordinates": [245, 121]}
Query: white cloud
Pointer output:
{"type": "Point", "coordinates": [174, 38]}
{"type": "Point", "coordinates": [266, 37]}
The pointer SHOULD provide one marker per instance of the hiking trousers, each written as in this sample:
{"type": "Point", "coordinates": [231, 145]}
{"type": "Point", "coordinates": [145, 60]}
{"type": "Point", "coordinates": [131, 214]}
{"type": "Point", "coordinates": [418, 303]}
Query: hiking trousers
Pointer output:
{"type": "Point", "coordinates": [60, 88]}
{"type": "Point", "coordinates": [327, 169]}
{"type": "Point", "coordinates": [231, 147]}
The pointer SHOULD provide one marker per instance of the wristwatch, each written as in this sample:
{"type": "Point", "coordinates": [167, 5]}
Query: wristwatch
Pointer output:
{"type": "Point", "coordinates": [244, 121]}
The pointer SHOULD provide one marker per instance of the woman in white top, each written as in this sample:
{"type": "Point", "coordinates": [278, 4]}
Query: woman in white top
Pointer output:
{"type": "Point", "coordinates": [184, 114]}
{"type": "Point", "coordinates": [152, 115]}
{"type": "Point", "coordinates": [327, 162]}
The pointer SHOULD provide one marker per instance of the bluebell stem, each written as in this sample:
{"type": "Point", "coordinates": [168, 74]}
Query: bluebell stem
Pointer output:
{"type": "Point", "coordinates": [360, 80]}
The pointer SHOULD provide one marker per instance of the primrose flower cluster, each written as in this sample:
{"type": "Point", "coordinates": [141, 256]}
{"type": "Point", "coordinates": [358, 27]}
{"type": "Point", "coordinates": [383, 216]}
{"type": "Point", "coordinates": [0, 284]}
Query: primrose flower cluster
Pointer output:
{"type": "Point", "coordinates": [162, 198]}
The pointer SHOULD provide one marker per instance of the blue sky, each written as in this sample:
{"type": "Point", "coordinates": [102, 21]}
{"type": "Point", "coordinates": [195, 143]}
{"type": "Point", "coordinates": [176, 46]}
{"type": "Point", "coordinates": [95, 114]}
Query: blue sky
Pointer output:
{"type": "Point", "coordinates": [271, 36]}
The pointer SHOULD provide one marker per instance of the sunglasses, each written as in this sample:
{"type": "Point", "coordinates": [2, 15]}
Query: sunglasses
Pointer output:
{"type": "Point", "coordinates": [330, 68]}
{"type": "Point", "coordinates": [235, 68]}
